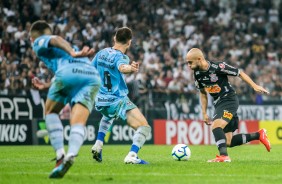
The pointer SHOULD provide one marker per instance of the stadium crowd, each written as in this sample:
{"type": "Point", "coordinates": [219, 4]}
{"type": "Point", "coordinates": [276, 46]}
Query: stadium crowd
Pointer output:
{"type": "Point", "coordinates": [245, 33]}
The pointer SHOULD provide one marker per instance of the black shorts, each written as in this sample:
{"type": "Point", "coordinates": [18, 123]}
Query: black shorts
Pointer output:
{"type": "Point", "coordinates": [226, 109]}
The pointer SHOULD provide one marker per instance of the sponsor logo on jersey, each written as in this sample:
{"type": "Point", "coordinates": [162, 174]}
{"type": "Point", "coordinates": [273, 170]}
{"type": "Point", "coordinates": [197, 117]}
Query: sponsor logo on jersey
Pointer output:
{"type": "Point", "coordinates": [221, 65]}
{"type": "Point", "coordinates": [229, 72]}
{"type": "Point", "coordinates": [205, 78]}
{"type": "Point", "coordinates": [227, 115]}
{"type": "Point", "coordinates": [106, 99]}
{"type": "Point", "coordinates": [213, 77]}
{"type": "Point", "coordinates": [214, 66]}
{"type": "Point", "coordinates": [229, 65]}
{"type": "Point", "coordinates": [213, 89]}
{"type": "Point", "coordinates": [105, 58]}
{"type": "Point", "coordinates": [129, 103]}
{"type": "Point", "coordinates": [197, 84]}
{"type": "Point", "coordinates": [76, 70]}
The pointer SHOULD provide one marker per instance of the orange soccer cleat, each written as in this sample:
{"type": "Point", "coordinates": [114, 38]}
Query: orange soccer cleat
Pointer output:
{"type": "Point", "coordinates": [264, 140]}
{"type": "Point", "coordinates": [221, 158]}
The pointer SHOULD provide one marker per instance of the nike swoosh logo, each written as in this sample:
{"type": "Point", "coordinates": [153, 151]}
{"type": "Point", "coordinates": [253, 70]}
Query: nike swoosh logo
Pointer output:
{"type": "Point", "coordinates": [214, 116]}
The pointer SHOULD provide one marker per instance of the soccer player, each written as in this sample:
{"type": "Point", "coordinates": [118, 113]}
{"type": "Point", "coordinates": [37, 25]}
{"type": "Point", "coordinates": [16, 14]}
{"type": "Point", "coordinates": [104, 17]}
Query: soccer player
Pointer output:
{"type": "Point", "coordinates": [76, 82]}
{"type": "Point", "coordinates": [211, 77]}
{"type": "Point", "coordinates": [112, 100]}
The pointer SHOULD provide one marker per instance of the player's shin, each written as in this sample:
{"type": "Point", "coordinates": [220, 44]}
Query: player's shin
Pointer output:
{"type": "Point", "coordinates": [104, 127]}
{"type": "Point", "coordinates": [139, 137]}
{"type": "Point", "coordinates": [220, 140]}
{"type": "Point", "coordinates": [76, 139]}
{"type": "Point", "coordinates": [55, 131]}
{"type": "Point", "coordinates": [240, 139]}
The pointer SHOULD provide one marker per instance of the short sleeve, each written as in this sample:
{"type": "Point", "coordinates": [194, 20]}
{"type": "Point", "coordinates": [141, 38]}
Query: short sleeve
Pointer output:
{"type": "Point", "coordinates": [227, 69]}
{"type": "Point", "coordinates": [122, 60]}
{"type": "Point", "coordinates": [41, 43]}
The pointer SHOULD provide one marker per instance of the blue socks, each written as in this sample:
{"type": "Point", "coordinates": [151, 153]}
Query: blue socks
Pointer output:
{"type": "Point", "coordinates": [104, 126]}
{"type": "Point", "coordinates": [134, 148]}
{"type": "Point", "coordinates": [139, 137]}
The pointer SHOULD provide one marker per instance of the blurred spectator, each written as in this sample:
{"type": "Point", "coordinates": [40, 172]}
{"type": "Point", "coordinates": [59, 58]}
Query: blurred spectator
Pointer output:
{"type": "Point", "coordinates": [246, 34]}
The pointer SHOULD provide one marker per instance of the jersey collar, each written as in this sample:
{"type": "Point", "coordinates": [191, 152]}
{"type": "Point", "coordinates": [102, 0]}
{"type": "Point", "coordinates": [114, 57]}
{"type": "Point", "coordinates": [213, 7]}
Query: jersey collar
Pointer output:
{"type": "Point", "coordinates": [206, 69]}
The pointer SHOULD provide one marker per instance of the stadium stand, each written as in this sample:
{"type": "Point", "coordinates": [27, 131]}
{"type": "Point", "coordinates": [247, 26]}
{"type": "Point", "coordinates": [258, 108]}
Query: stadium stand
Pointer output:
{"type": "Point", "coordinates": [246, 34]}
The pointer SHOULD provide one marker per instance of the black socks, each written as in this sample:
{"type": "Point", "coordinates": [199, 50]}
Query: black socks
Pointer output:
{"type": "Point", "coordinates": [240, 139]}
{"type": "Point", "coordinates": [220, 140]}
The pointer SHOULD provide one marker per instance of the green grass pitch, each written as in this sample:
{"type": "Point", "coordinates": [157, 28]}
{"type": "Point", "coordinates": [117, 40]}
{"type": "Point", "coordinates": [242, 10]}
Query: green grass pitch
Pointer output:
{"type": "Point", "coordinates": [250, 164]}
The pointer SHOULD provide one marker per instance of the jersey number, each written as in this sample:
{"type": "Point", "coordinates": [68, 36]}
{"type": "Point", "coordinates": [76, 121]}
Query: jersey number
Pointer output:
{"type": "Point", "coordinates": [107, 80]}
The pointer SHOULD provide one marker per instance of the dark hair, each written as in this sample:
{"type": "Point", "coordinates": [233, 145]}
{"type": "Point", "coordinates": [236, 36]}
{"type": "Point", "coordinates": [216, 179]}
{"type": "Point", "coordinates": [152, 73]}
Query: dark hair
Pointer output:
{"type": "Point", "coordinates": [39, 27]}
{"type": "Point", "coordinates": [123, 35]}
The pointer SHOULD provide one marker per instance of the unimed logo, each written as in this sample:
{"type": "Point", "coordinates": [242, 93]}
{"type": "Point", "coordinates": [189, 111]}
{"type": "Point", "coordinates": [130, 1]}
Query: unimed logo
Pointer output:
{"type": "Point", "coordinates": [13, 133]}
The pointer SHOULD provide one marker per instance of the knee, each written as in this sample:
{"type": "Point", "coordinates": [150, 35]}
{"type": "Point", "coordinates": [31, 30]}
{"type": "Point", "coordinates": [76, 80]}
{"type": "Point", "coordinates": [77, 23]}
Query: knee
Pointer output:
{"type": "Point", "coordinates": [219, 123]}
{"type": "Point", "coordinates": [136, 125]}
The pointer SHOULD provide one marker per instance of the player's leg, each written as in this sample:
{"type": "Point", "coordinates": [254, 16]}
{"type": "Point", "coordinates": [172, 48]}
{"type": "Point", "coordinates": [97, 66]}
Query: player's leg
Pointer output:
{"type": "Point", "coordinates": [136, 120]}
{"type": "Point", "coordinates": [104, 126]}
{"type": "Point", "coordinates": [55, 128]}
{"type": "Point", "coordinates": [83, 103]}
{"type": "Point", "coordinates": [225, 110]}
{"type": "Point", "coordinates": [220, 140]}
{"type": "Point", "coordinates": [81, 96]}
{"type": "Point", "coordinates": [79, 116]}
{"type": "Point", "coordinates": [240, 139]}
{"type": "Point", "coordinates": [228, 136]}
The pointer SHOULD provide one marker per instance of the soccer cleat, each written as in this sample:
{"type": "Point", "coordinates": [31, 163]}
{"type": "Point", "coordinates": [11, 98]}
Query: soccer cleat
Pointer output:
{"type": "Point", "coordinates": [132, 158]}
{"type": "Point", "coordinates": [221, 158]}
{"type": "Point", "coordinates": [61, 170]}
{"type": "Point", "coordinates": [97, 153]}
{"type": "Point", "coordinates": [58, 161]}
{"type": "Point", "coordinates": [264, 140]}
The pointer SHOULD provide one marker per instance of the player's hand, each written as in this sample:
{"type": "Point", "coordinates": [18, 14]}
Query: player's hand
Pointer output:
{"type": "Point", "coordinates": [134, 66]}
{"type": "Point", "coordinates": [38, 84]}
{"type": "Point", "coordinates": [206, 119]}
{"type": "Point", "coordinates": [260, 89]}
{"type": "Point", "coordinates": [85, 52]}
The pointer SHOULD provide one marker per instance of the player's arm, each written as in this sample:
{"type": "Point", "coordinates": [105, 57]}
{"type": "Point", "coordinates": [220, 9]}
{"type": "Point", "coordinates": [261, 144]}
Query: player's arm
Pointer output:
{"type": "Point", "coordinates": [59, 42]}
{"type": "Point", "coordinates": [38, 84]}
{"type": "Point", "coordinates": [249, 81]}
{"type": "Point", "coordinates": [204, 105]}
{"type": "Point", "coordinates": [125, 68]}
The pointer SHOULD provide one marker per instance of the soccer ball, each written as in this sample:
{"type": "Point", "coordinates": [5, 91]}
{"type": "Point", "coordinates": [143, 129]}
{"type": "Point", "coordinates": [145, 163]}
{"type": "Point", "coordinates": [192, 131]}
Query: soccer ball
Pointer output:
{"type": "Point", "coordinates": [181, 152]}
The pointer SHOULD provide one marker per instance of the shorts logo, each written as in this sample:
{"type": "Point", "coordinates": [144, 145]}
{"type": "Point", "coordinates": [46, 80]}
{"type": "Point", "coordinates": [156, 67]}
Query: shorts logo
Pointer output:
{"type": "Point", "coordinates": [227, 115]}
{"type": "Point", "coordinates": [221, 65]}
{"type": "Point", "coordinates": [213, 77]}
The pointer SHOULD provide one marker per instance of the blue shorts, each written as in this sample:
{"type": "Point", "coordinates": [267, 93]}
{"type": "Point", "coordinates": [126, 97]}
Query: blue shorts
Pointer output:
{"type": "Point", "coordinates": [75, 84]}
{"type": "Point", "coordinates": [118, 109]}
